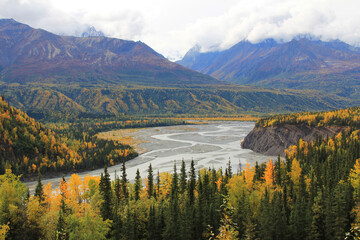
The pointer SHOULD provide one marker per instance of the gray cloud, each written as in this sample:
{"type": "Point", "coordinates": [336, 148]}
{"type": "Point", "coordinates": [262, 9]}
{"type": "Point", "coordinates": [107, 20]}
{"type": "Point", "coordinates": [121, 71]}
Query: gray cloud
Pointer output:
{"type": "Point", "coordinates": [174, 28]}
{"type": "Point", "coordinates": [281, 20]}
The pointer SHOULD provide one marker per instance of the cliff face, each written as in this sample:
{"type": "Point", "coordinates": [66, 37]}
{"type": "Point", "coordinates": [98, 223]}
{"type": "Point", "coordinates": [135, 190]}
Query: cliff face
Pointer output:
{"type": "Point", "coordinates": [275, 139]}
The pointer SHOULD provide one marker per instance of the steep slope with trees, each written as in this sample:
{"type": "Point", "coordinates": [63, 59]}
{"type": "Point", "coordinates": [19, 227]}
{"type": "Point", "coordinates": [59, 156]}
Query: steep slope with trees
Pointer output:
{"type": "Point", "coordinates": [73, 102]}
{"type": "Point", "coordinates": [28, 147]}
{"type": "Point", "coordinates": [272, 135]}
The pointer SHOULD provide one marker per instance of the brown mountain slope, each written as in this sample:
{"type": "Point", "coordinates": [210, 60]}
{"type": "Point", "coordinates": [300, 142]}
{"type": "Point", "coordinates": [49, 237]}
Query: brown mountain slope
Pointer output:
{"type": "Point", "coordinates": [37, 56]}
{"type": "Point", "coordinates": [298, 64]}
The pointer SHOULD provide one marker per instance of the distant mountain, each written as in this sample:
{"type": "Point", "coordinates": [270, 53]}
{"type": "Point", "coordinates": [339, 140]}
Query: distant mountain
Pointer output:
{"type": "Point", "coordinates": [301, 64]}
{"type": "Point", "coordinates": [62, 77]}
{"type": "Point", "coordinates": [37, 56]}
{"type": "Point", "coordinates": [92, 32]}
{"type": "Point", "coordinates": [71, 102]}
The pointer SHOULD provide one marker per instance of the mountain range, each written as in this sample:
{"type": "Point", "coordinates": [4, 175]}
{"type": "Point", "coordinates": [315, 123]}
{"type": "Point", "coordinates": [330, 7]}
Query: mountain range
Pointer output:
{"type": "Point", "coordinates": [46, 75]}
{"type": "Point", "coordinates": [299, 64]}
{"type": "Point", "coordinates": [33, 55]}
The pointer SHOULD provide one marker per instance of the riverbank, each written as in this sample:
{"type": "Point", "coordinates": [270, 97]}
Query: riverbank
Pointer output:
{"type": "Point", "coordinates": [210, 145]}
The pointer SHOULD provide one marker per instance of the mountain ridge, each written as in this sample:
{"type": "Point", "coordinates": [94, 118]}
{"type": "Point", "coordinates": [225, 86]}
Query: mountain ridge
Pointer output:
{"type": "Point", "coordinates": [55, 76]}
{"type": "Point", "coordinates": [35, 55]}
{"type": "Point", "coordinates": [295, 64]}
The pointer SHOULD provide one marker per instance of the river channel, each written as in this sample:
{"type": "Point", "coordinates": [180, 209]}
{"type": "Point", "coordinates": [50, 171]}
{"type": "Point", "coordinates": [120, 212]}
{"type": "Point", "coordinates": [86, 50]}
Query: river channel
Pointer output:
{"type": "Point", "coordinates": [210, 145]}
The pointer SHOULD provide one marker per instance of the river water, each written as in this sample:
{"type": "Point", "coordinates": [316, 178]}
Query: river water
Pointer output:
{"type": "Point", "coordinates": [210, 146]}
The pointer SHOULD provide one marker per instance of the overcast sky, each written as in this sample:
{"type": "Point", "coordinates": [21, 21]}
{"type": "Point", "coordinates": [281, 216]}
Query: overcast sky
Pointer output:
{"type": "Point", "coordinates": [172, 27]}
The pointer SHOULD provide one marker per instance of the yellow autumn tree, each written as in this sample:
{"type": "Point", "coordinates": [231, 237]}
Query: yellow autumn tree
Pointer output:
{"type": "Point", "coordinates": [3, 230]}
{"type": "Point", "coordinates": [165, 184]}
{"type": "Point", "coordinates": [295, 172]}
{"type": "Point", "coordinates": [355, 182]}
{"type": "Point", "coordinates": [269, 174]}
{"type": "Point", "coordinates": [75, 184]}
{"type": "Point", "coordinates": [249, 174]}
{"type": "Point", "coordinates": [34, 213]}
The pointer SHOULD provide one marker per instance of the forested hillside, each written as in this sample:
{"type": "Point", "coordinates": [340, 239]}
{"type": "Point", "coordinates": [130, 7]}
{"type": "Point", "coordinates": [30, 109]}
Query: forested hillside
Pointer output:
{"type": "Point", "coordinates": [272, 135]}
{"type": "Point", "coordinates": [65, 103]}
{"type": "Point", "coordinates": [312, 194]}
{"type": "Point", "coordinates": [349, 117]}
{"type": "Point", "coordinates": [28, 147]}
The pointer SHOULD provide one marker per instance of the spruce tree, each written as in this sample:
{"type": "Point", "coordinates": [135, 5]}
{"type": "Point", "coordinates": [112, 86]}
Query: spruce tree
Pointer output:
{"type": "Point", "coordinates": [150, 187]}
{"type": "Point", "coordinates": [342, 206]}
{"type": "Point", "coordinates": [39, 191]}
{"type": "Point", "coordinates": [61, 233]}
{"type": "Point", "coordinates": [300, 214]}
{"type": "Point", "coordinates": [259, 171]}
{"type": "Point", "coordinates": [124, 182]}
{"type": "Point", "coordinates": [117, 189]}
{"type": "Point", "coordinates": [192, 183]}
{"type": "Point", "coordinates": [157, 192]}
{"type": "Point", "coordinates": [138, 185]}
{"type": "Point", "coordinates": [117, 222]}
{"type": "Point", "coordinates": [265, 217]}
{"type": "Point", "coordinates": [279, 222]}
{"type": "Point", "coordinates": [151, 226]}
{"type": "Point", "coordinates": [183, 177]}
{"type": "Point", "coordinates": [229, 169]}
{"type": "Point", "coordinates": [318, 219]}
{"type": "Point", "coordinates": [199, 228]}
{"type": "Point", "coordinates": [106, 194]}
{"type": "Point", "coordinates": [172, 225]}
{"type": "Point", "coordinates": [278, 179]}
{"type": "Point", "coordinates": [61, 228]}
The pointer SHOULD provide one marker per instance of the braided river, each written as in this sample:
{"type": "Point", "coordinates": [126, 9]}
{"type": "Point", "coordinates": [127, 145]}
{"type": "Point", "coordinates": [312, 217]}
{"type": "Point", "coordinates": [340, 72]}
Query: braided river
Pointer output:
{"type": "Point", "coordinates": [210, 145]}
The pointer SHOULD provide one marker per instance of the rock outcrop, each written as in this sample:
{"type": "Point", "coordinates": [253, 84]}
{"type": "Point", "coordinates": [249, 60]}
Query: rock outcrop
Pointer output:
{"type": "Point", "coordinates": [275, 139]}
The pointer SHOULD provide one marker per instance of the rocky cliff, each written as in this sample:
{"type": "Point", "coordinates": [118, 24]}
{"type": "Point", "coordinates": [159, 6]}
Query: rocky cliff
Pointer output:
{"type": "Point", "coordinates": [275, 139]}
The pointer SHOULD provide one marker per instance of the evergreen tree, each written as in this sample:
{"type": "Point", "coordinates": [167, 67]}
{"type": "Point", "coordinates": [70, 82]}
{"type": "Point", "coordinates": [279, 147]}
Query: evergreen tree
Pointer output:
{"type": "Point", "coordinates": [61, 232]}
{"type": "Point", "coordinates": [150, 187]}
{"type": "Point", "coordinates": [157, 192]}
{"type": "Point", "coordinates": [138, 185]}
{"type": "Point", "coordinates": [117, 190]}
{"type": "Point", "coordinates": [318, 220]}
{"type": "Point", "coordinates": [229, 169]}
{"type": "Point", "coordinates": [172, 224]}
{"type": "Point", "coordinates": [279, 223]}
{"type": "Point", "coordinates": [160, 223]}
{"type": "Point", "coordinates": [192, 183]}
{"type": "Point", "coordinates": [258, 173]}
{"type": "Point", "coordinates": [117, 222]}
{"type": "Point", "coordinates": [124, 182]}
{"type": "Point", "coordinates": [106, 194]}
{"type": "Point", "coordinates": [39, 191]}
{"type": "Point", "coordinates": [117, 227]}
{"type": "Point", "coordinates": [300, 216]}
{"type": "Point", "coordinates": [183, 177]}
{"type": "Point", "coordinates": [278, 171]}
{"type": "Point", "coordinates": [199, 218]}
{"type": "Point", "coordinates": [61, 228]}
{"type": "Point", "coordinates": [151, 227]}
{"type": "Point", "coordinates": [266, 218]}
{"type": "Point", "coordinates": [341, 208]}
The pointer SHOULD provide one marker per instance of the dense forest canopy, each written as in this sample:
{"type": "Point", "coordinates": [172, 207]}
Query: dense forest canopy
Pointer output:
{"type": "Point", "coordinates": [311, 194]}
{"type": "Point", "coordinates": [344, 117]}
{"type": "Point", "coordinates": [28, 147]}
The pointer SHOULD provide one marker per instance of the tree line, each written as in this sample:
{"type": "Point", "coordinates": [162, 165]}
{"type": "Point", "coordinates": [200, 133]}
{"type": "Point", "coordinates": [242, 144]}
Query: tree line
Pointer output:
{"type": "Point", "coordinates": [349, 117]}
{"type": "Point", "coordinates": [314, 193]}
